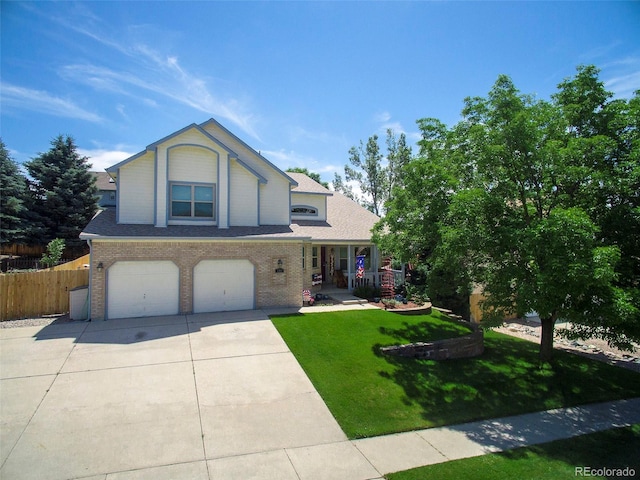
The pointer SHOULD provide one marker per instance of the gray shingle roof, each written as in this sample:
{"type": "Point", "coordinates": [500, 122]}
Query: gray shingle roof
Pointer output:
{"type": "Point", "coordinates": [346, 222]}
{"type": "Point", "coordinates": [307, 185]}
{"type": "Point", "coordinates": [104, 181]}
{"type": "Point", "coordinates": [104, 225]}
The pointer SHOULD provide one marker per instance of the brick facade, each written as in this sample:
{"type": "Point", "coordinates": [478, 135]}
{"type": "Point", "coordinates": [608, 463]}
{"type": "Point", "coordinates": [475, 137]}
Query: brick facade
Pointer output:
{"type": "Point", "coordinates": [272, 288]}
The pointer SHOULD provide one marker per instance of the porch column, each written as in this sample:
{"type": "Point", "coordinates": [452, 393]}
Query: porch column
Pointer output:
{"type": "Point", "coordinates": [375, 264]}
{"type": "Point", "coordinates": [349, 267]}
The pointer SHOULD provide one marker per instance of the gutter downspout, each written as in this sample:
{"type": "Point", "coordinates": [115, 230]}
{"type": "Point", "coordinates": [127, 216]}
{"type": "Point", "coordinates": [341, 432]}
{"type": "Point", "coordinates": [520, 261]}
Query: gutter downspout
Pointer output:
{"type": "Point", "coordinates": [90, 282]}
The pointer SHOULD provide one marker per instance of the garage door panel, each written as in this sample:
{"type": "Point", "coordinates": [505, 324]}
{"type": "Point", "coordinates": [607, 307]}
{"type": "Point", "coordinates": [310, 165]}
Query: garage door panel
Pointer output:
{"type": "Point", "coordinates": [142, 289]}
{"type": "Point", "coordinates": [223, 285]}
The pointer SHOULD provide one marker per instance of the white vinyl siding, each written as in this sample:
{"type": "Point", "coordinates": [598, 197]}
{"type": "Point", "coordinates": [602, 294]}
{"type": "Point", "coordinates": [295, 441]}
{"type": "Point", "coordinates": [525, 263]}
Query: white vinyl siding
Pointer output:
{"type": "Point", "coordinates": [236, 146]}
{"type": "Point", "coordinates": [274, 201]}
{"type": "Point", "coordinates": [192, 164]}
{"type": "Point", "coordinates": [135, 190]}
{"type": "Point", "coordinates": [243, 197]}
{"type": "Point", "coordinates": [319, 202]}
{"type": "Point", "coordinates": [274, 195]}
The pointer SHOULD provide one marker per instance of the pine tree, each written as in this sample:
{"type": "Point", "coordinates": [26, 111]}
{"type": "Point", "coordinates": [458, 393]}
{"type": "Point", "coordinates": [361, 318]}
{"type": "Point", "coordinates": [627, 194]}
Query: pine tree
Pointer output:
{"type": "Point", "coordinates": [13, 186]}
{"type": "Point", "coordinates": [63, 191]}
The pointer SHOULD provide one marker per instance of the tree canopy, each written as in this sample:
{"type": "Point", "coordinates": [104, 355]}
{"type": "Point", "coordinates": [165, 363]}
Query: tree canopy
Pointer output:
{"type": "Point", "coordinates": [375, 174]}
{"type": "Point", "coordinates": [535, 201]}
{"type": "Point", "coordinates": [63, 192]}
{"type": "Point", "coordinates": [13, 198]}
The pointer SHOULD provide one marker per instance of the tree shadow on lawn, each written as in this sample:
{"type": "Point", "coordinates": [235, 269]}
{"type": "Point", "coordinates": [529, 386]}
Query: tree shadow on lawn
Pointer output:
{"type": "Point", "coordinates": [611, 449]}
{"type": "Point", "coordinates": [506, 380]}
{"type": "Point", "coordinates": [425, 331]}
{"type": "Point", "coordinates": [597, 451]}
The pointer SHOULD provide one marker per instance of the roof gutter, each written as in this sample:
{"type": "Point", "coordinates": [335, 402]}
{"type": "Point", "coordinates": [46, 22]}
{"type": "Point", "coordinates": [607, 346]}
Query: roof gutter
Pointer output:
{"type": "Point", "coordinates": [90, 237]}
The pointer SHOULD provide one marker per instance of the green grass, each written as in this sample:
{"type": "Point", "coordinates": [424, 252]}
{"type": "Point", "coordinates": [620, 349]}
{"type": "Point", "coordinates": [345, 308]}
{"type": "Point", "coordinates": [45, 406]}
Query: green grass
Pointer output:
{"type": "Point", "coordinates": [370, 394]}
{"type": "Point", "coordinates": [613, 449]}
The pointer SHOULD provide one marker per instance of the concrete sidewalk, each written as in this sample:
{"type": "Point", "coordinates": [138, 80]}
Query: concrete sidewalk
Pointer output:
{"type": "Point", "coordinates": [211, 396]}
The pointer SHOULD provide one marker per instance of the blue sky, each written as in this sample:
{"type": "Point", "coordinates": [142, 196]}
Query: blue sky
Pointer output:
{"type": "Point", "coordinates": [300, 81]}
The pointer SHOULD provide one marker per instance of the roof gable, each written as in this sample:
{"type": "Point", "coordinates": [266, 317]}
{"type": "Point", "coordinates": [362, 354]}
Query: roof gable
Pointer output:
{"type": "Point", "coordinates": [104, 181]}
{"type": "Point", "coordinates": [153, 146]}
{"type": "Point", "coordinates": [213, 125]}
{"type": "Point", "coordinates": [305, 184]}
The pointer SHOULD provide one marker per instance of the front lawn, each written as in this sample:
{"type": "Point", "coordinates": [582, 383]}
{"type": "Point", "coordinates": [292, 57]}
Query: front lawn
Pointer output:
{"type": "Point", "coordinates": [370, 394]}
{"type": "Point", "coordinates": [611, 449]}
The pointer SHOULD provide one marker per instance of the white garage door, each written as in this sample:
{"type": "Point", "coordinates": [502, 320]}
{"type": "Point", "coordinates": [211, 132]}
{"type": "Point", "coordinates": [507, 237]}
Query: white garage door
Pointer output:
{"type": "Point", "coordinates": [142, 289]}
{"type": "Point", "coordinates": [223, 285]}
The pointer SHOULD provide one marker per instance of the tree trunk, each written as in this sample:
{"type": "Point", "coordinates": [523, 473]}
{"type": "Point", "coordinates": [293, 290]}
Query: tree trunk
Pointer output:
{"type": "Point", "coordinates": [546, 338]}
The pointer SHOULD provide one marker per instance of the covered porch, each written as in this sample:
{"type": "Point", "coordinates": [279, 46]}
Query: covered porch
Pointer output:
{"type": "Point", "coordinates": [340, 267]}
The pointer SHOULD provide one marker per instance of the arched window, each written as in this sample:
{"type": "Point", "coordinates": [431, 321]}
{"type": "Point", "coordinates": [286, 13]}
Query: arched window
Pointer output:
{"type": "Point", "coordinates": [304, 210]}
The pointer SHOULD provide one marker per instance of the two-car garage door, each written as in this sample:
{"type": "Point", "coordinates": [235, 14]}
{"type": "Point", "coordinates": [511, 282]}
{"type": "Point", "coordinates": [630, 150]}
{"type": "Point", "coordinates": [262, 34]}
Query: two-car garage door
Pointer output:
{"type": "Point", "coordinates": [150, 288]}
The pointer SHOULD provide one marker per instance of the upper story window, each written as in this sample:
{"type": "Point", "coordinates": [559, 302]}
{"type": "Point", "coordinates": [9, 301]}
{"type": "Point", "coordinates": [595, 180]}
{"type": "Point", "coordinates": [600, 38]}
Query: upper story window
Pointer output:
{"type": "Point", "coordinates": [192, 201]}
{"type": "Point", "coordinates": [304, 210]}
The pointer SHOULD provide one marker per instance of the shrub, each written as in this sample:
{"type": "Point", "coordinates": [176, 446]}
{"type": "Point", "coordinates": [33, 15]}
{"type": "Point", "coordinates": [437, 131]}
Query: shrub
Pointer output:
{"type": "Point", "coordinates": [52, 257]}
{"type": "Point", "coordinates": [417, 293]}
{"type": "Point", "coordinates": [390, 302]}
{"type": "Point", "coordinates": [366, 292]}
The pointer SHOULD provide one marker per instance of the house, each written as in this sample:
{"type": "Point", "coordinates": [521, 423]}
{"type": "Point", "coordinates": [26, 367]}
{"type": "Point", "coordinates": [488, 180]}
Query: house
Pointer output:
{"type": "Point", "coordinates": [205, 223]}
{"type": "Point", "coordinates": [106, 186]}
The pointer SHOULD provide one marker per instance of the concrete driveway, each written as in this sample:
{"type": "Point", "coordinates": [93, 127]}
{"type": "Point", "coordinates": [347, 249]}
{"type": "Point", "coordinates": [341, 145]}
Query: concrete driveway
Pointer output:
{"type": "Point", "coordinates": [209, 396]}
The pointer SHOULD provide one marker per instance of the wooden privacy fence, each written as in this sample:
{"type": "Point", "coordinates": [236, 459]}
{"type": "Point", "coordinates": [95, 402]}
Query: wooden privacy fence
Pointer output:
{"type": "Point", "coordinates": [32, 294]}
{"type": "Point", "coordinates": [77, 264]}
{"type": "Point", "coordinates": [38, 250]}
{"type": "Point", "coordinates": [476, 310]}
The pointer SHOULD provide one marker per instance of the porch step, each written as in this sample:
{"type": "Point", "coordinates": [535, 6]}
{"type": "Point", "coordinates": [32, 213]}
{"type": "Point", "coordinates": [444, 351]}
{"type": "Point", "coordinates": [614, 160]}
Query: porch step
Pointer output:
{"type": "Point", "coordinates": [355, 301]}
{"type": "Point", "coordinates": [346, 299]}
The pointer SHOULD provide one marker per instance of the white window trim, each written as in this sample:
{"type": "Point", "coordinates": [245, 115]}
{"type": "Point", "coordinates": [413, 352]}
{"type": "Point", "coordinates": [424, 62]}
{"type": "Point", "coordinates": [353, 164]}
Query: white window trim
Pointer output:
{"type": "Point", "coordinates": [192, 217]}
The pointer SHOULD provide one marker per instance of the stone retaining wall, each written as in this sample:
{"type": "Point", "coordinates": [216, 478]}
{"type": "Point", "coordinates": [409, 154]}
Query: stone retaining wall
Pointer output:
{"type": "Point", "coordinates": [462, 347]}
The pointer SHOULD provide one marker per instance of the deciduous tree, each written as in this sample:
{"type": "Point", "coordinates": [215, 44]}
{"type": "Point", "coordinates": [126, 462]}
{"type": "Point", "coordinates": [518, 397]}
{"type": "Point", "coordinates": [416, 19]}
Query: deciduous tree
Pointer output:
{"type": "Point", "coordinates": [366, 168]}
{"type": "Point", "coordinates": [537, 201]}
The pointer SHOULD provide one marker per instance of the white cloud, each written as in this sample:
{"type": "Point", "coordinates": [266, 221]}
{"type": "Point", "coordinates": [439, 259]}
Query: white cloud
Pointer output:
{"type": "Point", "coordinates": [623, 86]}
{"type": "Point", "coordinates": [624, 76]}
{"type": "Point", "coordinates": [100, 159]}
{"type": "Point", "coordinates": [153, 71]}
{"type": "Point", "coordinates": [396, 127]}
{"type": "Point", "coordinates": [286, 159]}
{"type": "Point", "coordinates": [382, 117]}
{"type": "Point", "coordinates": [120, 108]}
{"type": "Point", "coordinates": [43, 102]}
{"type": "Point", "coordinates": [297, 133]}
{"type": "Point", "coordinates": [290, 159]}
